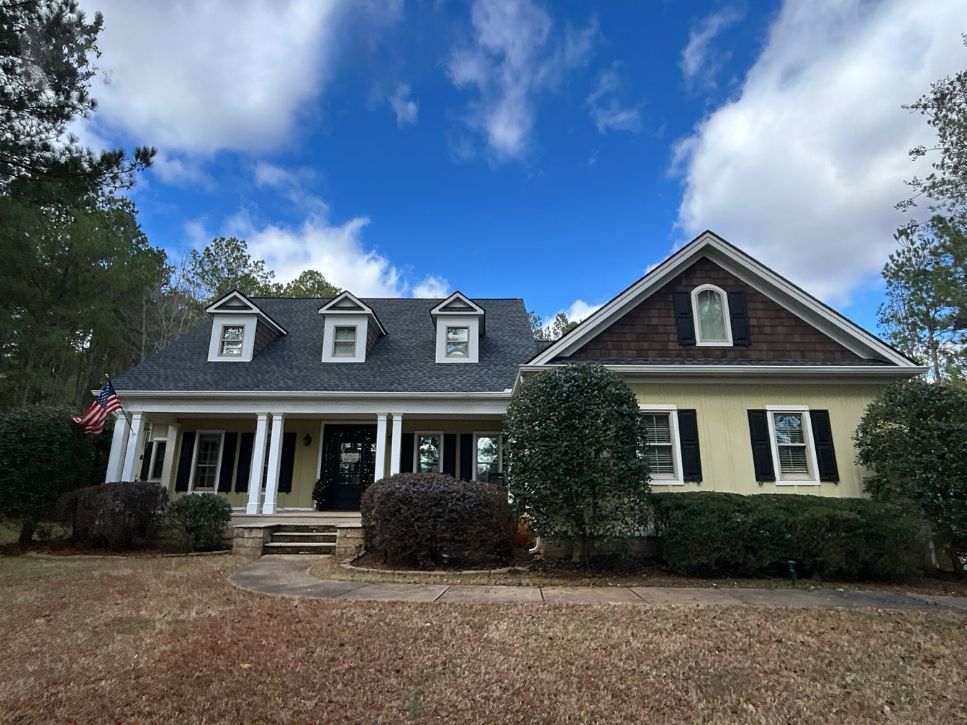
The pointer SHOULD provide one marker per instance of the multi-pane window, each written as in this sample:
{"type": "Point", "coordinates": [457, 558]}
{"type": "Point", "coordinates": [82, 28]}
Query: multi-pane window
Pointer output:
{"type": "Point", "coordinates": [711, 316]}
{"type": "Point", "coordinates": [660, 449]}
{"type": "Point", "coordinates": [487, 452]}
{"type": "Point", "coordinates": [344, 341]}
{"type": "Point", "coordinates": [232, 338]}
{"type": "Point", "coordinates": [208, 447]}
{"type": "Point", "coordinates": [791, 444]}
{"type": "Point", "coordinates": [428, 452]}
{"type": "Point", "coordinates": [458, 342]}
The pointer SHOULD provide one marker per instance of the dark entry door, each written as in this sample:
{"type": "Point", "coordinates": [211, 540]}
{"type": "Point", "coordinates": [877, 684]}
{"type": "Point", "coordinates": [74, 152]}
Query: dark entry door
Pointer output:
{"type": "Point", "coordinates": [349, 453]}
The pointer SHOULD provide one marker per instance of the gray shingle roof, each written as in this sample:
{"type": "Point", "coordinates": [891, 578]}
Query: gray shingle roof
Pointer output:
{"type": "Point", "coordinates": [401, 361]}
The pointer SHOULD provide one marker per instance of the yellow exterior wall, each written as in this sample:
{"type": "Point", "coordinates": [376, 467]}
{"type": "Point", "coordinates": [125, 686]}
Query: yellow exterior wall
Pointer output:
{"type": "Point", "coordinates": [723, 430]}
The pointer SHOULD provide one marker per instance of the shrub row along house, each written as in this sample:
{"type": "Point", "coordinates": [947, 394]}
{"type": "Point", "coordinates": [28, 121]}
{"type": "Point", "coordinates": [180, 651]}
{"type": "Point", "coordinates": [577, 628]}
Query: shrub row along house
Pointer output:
{"type": "Point", "coordinates": [747, 382]}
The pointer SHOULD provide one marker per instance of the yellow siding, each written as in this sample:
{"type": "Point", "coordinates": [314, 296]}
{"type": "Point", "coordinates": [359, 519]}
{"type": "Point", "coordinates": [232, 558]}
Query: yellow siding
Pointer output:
{"type": "Point", "coordinates": [723, 430]}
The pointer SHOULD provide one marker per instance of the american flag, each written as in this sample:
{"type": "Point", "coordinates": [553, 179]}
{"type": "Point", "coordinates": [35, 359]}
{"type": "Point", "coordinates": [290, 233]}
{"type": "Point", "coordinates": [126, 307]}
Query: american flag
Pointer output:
{"type": "Point", "coordinates": [104, 404]}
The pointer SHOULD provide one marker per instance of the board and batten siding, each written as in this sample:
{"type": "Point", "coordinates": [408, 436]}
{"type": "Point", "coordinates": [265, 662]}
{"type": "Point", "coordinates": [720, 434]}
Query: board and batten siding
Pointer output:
{"type": "Point", "coordinates": [723, 429]}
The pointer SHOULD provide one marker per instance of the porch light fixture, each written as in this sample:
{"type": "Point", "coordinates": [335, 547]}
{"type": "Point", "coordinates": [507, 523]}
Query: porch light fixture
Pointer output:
{"type": "Point", "coordinates": [307, 440]}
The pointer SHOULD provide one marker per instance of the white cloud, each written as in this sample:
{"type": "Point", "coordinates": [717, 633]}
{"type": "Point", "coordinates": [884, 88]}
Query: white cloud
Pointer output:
{"type": "Point", "coordinates": [201, 77]}
{"type": "Point", "coordinates": [180, 171]}
{"type": "Point", "coordinates": [431, 286]}
{"type": "Point", "coordinates": [580, 310]}
{"type": "Point", "coordinates": [803, 168]}
{"type": "Point", "coordinates": [405, 108]}
{"type": "Point", "coordinates": [514, 58]}
{"type": "Point", "coordinates": [605, 105]}
{"type": "Point", "coordinates": [698, 56]}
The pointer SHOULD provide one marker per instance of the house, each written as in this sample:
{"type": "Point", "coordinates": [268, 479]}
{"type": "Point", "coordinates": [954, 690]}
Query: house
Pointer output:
{"type": "Point", "coordinates": [748, 384]}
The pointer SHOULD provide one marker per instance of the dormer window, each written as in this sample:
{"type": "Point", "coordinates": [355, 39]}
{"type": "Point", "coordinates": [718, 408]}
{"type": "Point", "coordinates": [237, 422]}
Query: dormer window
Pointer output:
{"type": "Point", "coordinates": [710, 306]}
{"type": "Point", "coordinates": [458, 342]}
{"type": "Point", "coordinates": [459, 326]}
{"type": "Point", "coordinates": [233, 336]}
{"type": "Point", "coordinates": [344, 341]}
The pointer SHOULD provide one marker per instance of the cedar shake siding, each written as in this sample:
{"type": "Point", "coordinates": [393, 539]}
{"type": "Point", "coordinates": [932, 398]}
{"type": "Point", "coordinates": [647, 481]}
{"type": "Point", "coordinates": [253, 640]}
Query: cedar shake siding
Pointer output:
{"type": "Point", "coordinates": [264, 335]}
{"type": "Point", "coordinates": [372, 335]}
{"type": "Point", "coordinates": [648, 332]}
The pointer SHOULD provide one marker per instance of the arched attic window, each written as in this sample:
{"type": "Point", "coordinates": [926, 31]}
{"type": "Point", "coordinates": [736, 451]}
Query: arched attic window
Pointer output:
{"type": "Point", "coordinates": [710, 306]}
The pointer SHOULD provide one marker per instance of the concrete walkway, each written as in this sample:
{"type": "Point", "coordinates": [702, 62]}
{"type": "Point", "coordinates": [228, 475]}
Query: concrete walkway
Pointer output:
{"type": "Point", "coordinates": [288, 576]}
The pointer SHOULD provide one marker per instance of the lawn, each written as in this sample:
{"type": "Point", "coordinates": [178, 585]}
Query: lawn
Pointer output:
{"type": "Point", "coordinates": [169, 639]}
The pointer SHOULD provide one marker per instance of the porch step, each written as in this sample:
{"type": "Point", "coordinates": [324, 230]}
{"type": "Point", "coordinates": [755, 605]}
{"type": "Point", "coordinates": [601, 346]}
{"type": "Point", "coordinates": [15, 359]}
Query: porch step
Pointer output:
{"type": "Point", "coordinates": [301, 547]}
{"type": "Point", "coordinates": [302, 539]}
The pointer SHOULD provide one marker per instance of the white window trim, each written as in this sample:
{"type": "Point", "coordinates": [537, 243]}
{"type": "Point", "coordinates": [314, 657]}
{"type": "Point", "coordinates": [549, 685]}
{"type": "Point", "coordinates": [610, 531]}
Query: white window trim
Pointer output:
{"type": "Point", "coordinates": [354, 328]}
{"type": "Point", "coordinates": [675, 479]}
{"type": "Point", "coordinates": [500, 451]}
{"type": "Point", "coordinates": [152, 459]}
{"type": "Point", "coordinates": [194, 458]}
{"type": "Point", "coordinates": [812, 478]}
{"type": "Point", "coordinates": [725, 311]}
{"type": "Point", "coordinates": [333, 321]}
{"type": "Point", "coordinates": [416, 449]}
{"type": "Point", "coordinates": [445, 320]}
{"type": "Point", "coordinates": [249, 325]}
{"type": "Point", "coordinates": [446, 332]}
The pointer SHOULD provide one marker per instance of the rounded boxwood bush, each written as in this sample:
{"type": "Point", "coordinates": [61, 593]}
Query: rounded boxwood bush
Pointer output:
{"type": "Point", "coordinates": [200, 518]}
{"type": "Point", "coordinates": [113, 515]}
{"type": "Point", "coordinates": [430, 519]}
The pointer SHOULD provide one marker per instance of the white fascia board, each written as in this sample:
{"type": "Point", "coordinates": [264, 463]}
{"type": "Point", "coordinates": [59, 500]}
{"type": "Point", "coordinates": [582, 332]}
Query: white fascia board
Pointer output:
{"type": "Point", "coordinates": [330, 309]}
{"type": "Point", "coordinates": [472, 308]}
{"type": "Point", "coordinates": [750, 271]}
{"type": "Point", "coordinates": [215, 308]}
{"type": "Point", "coordinates": [751, 371]}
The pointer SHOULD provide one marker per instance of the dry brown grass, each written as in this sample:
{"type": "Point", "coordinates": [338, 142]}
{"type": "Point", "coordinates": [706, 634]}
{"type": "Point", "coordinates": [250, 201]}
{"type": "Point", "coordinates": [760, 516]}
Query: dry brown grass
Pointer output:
{"type": "Point", "coordinates": [171, 640]}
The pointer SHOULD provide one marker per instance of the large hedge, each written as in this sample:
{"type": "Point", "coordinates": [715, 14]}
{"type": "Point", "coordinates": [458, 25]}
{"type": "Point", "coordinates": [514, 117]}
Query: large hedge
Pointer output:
{"type": "Point", "coordinates": [200, 520]}
{"type": "Point", "coordinates": [114, 515]}
{"type": "Point", "coordinates": [913, 440]}
{"type": "Point", "coordinates": [573, 438]}
{"type": "Point", "coordinates": [709, 534]}
{"type": "Point", "coordinates": [44, 454]}
{"type": "Point", "coordinates": [430, 519]}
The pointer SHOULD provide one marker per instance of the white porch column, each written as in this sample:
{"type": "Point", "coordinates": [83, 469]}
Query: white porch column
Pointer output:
{"type": "Point", "coordinates": [394, 461]}
{"type": "Point", "coordinates": [168, 465]}
{"type": "Point", "coordinates": [380, 468]}
{"type": "Point", "coordinates": [275, 464]}
{"type": "Point", "coordinates": [119, 442]}
{"type": "Point", "coordinates": [133, 450]}
{"type": "Point", "coordinates": [258, 462]}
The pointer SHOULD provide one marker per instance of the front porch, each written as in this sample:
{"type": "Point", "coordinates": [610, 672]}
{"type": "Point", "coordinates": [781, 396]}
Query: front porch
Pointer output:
{"type": "Point", "coordinates": [272, 467]}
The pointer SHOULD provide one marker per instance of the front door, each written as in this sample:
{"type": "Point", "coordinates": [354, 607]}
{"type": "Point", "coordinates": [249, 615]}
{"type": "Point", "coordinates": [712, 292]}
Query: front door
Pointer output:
{"type": "Point", "coordinates": [349, 454]}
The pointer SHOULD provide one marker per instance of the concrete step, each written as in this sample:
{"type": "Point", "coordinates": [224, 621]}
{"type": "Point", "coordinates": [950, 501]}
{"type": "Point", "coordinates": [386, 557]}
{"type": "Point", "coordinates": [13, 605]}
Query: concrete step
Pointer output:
{"type": "Point", "coordinates": [303, 547]}
{"type": "Point", "coordinates": [304, 536]}
{"type": "Point", "coordinates": [305, 529]}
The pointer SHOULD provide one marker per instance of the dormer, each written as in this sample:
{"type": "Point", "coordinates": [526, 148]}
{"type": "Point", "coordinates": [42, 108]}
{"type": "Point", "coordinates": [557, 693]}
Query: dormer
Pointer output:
{"type": "Point", "coordinates": [350, 330]}
{"type": "Point", "coordinates": [240, 329]}
{"type": "Point", "coordinates": [459, 325]}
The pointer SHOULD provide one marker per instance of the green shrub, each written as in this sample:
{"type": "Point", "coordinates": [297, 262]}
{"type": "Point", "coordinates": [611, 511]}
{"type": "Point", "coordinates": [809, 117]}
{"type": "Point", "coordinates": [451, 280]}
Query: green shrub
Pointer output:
{"type": "Point", "coordinates": [44, 454]}
{"type": "Point", "coordinates": [706, 533]}
{"type": "Point", "coordinates": [201, 519]}
{"type": "Point", "coordinates": [427, 519]}
{"type": "Point", "coordinates": [572, 443]}
{"type": "Point", "coordinates": [113, 515]}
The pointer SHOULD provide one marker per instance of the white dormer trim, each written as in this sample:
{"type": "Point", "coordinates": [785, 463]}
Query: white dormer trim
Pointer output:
{"type": "Point", "coordinates": [346, 303]}
{"type": "Point", "coordinates": [236, 303]}
{"type": "Point", "coordinates": [249, 324]}
{"type": "Point", "coordinates": [457, 304]}
{"type": "Point", "coordinates": [357, 321]}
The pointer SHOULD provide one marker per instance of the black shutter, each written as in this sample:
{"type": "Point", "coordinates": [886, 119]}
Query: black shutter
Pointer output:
{"type": "Point", "coordinates": [823, 440]}
{"type": "Point", "coordinates": [740, 319]}
{"type": "Point", "coordinates": [761, 446]}
{"type": "Point", "coordinates": [287, 464]}
{"type": "Point", "coordinates": [688, 440]}
{"type": "Point", "coordinates": [245, 445]}
{"type": "Point", "coordinates": [450, 454]}
{"type": "Point", "coordinates": [145, 461]}
{"type": "Point", "coordinates": [406, 455]}
{"type": "Point", "coordinates": [684, 322]}
{"type": "Point", "coordinates": [466, 456]}
{"type": "Point", "coordinates": [228, 463]}
{"type": "Point", "coordinates": [184, 461]}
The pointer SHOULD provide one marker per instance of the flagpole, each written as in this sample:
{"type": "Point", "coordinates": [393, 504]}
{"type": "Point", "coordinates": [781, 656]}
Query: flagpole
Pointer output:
{"type": "Point", "coordinates": [127, 415]}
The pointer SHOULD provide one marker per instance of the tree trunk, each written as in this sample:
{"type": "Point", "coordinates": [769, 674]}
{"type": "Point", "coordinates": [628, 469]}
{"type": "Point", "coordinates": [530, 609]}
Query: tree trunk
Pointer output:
{"type": "Point", "coordinates": [27, 527]}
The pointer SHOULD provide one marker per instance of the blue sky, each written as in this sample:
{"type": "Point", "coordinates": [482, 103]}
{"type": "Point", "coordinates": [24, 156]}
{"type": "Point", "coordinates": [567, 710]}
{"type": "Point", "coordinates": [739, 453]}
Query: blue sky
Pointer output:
{"type": "Point", "coordinates": [553, 151]}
